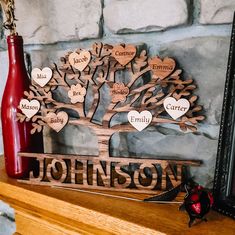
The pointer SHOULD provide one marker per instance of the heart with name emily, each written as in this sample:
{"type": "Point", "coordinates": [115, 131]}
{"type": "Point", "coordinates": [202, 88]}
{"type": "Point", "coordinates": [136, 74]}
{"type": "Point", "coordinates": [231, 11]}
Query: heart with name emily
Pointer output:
{"type": "Point", "coordinates": [161, 68]}
{"type": "Point", "coordinates": [57, 121]}
{"type": "Point", "coordinates": [176, 108]}
{"type": "Point", "coordinates": [41, 77]}
{"type": "Point", "coordinates": [29, 108]}
{"type": "Point", "coordinates": [80, 60]}
{"type": "Point", "coordinates": [124, 54]}
{"type": "Point", "coordinates": [139, 120]}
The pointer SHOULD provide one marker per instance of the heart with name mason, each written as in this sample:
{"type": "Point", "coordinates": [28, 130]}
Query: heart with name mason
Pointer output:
{"type": "Point", "coordinates": [29, 108]}
{"type": "Point", "coordinates": [80, 60]}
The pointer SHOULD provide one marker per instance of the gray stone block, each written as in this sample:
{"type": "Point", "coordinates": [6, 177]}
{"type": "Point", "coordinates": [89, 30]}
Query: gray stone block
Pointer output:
{"type": "Point", "coordinates": [205, 59]}
{"type": "Point", "coordinates": [58, 20]}
{"type": "Point", "coordinates": [145, 16]}
{"type": "Point", "coordinates": [216, 11]}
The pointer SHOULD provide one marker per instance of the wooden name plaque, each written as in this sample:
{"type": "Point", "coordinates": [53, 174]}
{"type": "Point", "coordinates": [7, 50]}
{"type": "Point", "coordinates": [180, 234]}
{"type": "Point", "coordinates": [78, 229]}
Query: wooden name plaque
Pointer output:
{"type": "Point", "coordinates": [116, 174]}
{"type": "Point", "coordinates": [152, 92]}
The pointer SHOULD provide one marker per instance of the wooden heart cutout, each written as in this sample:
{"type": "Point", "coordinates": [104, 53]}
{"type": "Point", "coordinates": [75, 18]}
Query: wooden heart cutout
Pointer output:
{"type": "Point", "coordinates": [161, 69]}
{"type": "Point", "coordinates": [41, 77]}
{"type": "Point", "coordinates": [29, 108]}
{"type": "Point", "coordinates": [139, 120]}
{"type": "Point", "coordinates": [119, 92]}
{"type": "Point", "coordinates": [80, 60]}
{"type": "Point", "coordinates": [57, 121]}
{"type": "Point", "coordinates": [176, 108]}
{"type": "Point", "coordinates": [124, 54]}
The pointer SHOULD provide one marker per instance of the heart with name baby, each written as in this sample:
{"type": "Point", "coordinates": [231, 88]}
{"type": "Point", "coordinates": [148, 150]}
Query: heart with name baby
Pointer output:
{"type": "Point", "coordinates": [80, 60]}
{"type": "Point", "coordinates": [139, 120]}
{"type": "Point", "coordinates": [41, 77]}
{"type": "Point", "coordinates": [176, 108]}
{"type": "Point", "coordinates": [57, 121]}
{"type": "Point", "coordinates": [29, 108]}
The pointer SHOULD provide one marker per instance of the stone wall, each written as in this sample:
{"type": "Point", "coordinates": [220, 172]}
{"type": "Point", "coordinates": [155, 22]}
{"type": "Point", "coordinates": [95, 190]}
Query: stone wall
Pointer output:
{"type": "Point", "coordinates": [196, 33]}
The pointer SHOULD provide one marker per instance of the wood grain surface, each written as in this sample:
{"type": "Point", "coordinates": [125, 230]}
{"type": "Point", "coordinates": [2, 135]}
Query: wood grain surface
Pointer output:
{"type": "Point", "coordinates": [45, 210]}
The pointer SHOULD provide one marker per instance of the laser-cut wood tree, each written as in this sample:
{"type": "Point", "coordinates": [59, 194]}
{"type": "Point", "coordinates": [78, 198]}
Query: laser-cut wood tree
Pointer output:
{"type": "Point", "coordinates": [82, 74]}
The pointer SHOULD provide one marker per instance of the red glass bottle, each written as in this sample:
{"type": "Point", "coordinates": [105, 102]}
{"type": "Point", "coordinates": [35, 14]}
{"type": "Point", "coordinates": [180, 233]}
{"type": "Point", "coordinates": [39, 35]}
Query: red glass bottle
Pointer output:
{"type": "Point", "coordinates": [16, 135]}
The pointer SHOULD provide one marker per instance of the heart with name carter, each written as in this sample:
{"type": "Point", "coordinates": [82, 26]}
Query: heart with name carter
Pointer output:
{"type": "Point", "coordinates": [176, 108]}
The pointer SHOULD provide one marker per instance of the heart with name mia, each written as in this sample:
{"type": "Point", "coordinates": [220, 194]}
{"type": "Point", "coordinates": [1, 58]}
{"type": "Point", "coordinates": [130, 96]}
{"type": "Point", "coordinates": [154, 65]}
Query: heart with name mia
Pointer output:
{"type": "Point", "coordinates": [41, 77]}
{"type": "Point", "coordinates": [124, 54]}
{"type": "Point", "coordinates": [176, 108]}
{"type": "Point", "coordinates": [57, 121]}
{"type": "Point", "coordinates": [161, 68]}
{"type": "Point", "coordinates": [139, 120]}
{"type": "Point", "coordinates": [80, 60]}
{"type": "Point", "coordinates": [29, 108]}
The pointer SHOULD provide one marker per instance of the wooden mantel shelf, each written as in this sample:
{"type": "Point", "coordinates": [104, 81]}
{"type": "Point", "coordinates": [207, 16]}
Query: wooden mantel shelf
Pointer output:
{"type": "Point", "coordinates": [54, 211]}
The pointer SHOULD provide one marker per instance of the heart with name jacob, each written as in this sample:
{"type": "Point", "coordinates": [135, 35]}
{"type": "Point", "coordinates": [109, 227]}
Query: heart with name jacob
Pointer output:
{"type": "Point", "coordinates": [139, 120]}
{"type": "Point", "coordinates": [124, 54]}
{"type": "Point", "coordinates": [176, 108]}
{"type": "Point", "coordinates": [57, 121]}
{"type": "Point", "coordinates": [161, 68]}
{"type": "Point", "coordinates": [80, 60]}
{"type": "Point", "coordinates": [41, 77]}
{"type": "Point", "coordinates": [29, 108]}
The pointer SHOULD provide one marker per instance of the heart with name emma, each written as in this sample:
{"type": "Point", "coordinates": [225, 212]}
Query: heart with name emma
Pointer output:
{"type": "Point", "coordinates": [139, 120]}
{"type": "Point", "coordinates": [57, 121]}
{"type": "Point", "coordinates": [80, 60]}
{"type": "Point", "coordinates": [29, 108]}
{"type": "Point", "coordinates": [176, 108]}
{"type": "Point", "coordinates": [124, 54]}
{"type": "Point", "coordinates": [41, 77]}
{"type": "Point", "coordinates": [161, 68]}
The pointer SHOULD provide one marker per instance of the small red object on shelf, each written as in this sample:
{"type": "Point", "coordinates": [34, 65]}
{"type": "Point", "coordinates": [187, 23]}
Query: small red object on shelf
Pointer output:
{"type": "Point", "coordinates": [197, 202]}
{"type": "Point", "coordinates": [16, 135]}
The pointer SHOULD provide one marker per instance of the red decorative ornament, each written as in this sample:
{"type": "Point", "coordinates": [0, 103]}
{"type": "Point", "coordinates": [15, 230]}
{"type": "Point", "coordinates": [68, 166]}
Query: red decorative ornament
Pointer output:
{"type": "Point", "coordinates": [197, 203]}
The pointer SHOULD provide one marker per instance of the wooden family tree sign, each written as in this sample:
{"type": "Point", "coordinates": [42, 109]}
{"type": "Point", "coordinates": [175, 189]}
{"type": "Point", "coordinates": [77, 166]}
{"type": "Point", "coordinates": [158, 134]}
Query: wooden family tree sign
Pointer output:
{"type": "Point", "coordinates": [151, 92]}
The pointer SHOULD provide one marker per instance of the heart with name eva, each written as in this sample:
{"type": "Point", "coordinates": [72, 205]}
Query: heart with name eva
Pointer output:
{"type": "Point", "coordinates": [57, 121]}
{"type": "Point", "coordinates": [139, 120]}
{"type": "Point", "coordinates": [41, 77]}
{"type": "Point", "coordinates": [29, 108]}
{"type": "Point", "coordinates": [176, 108]}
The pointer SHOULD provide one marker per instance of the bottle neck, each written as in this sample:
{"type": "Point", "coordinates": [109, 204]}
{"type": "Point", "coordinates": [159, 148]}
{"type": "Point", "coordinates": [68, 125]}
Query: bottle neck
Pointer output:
{"type": "Point", "coordinates": [15, 51]}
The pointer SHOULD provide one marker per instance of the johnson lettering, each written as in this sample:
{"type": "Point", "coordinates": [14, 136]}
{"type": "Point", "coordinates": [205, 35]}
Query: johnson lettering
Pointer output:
{"type": "Point", "coordinates": [80, 172]}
